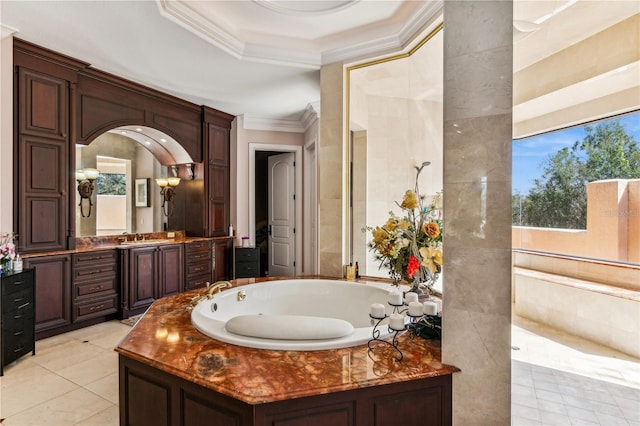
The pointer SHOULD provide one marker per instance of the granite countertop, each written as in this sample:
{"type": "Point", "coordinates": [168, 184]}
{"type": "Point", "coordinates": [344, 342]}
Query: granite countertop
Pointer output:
{"type": "Point", "coordinates": [90, 244]}
{"type": "Point", "coordinates": [165, 339]}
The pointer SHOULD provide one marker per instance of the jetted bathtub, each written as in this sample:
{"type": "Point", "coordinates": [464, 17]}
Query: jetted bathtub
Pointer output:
{"type": "Point", "coordinates": [297, 314]}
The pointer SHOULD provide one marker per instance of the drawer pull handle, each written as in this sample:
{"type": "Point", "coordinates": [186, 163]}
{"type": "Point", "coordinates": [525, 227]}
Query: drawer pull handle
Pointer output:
{"type": "Point", "coordinates": [96, 288]}
{"type": "Point", "coordinates": [94, 308]}
{"type": "Point", "coordinates": [24, 305]}
{"type": "Point", "coordinates": [18, 282]}
{"type": "Point", "coordinates": [17, 333]}
{"type": "Point", "coordinates": [20, 349]}
{"type": "Point", "coordinates": [17, 316]}
{"type": "Point", "coordinates": [18, 300]}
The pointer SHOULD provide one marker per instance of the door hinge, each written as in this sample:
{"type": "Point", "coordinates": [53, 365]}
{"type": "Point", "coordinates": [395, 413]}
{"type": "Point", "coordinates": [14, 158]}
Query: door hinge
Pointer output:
{"type": "Point", "coordinates": [294, 164]}
{"type": "Point", "coordinates": [294, 230]}
{"type": "Point", "coordinates": [294, 263]}
{"type": "Point", "coordinates": [294, 196]}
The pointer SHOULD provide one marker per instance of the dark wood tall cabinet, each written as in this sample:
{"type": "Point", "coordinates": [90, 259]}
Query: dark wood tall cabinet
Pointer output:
{"type": "Point", "coordinates": [216, 144]}
{"type": "Point", "coordinates": [42, 161]}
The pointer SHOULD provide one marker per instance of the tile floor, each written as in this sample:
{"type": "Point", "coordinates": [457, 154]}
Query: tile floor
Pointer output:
{"type": "Point", "coordinates": [557, 380]}
{"type": "Point", "coordinates": [72, 380]}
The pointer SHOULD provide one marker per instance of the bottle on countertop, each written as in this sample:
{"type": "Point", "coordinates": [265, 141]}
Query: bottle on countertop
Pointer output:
{"type": "Point", "coordinates": [231, 230]}
{"type": "Point", "coordinates": [357, 270]}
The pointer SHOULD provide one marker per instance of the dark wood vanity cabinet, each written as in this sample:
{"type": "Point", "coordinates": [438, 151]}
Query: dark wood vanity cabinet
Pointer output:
{"type": "Point", "coordinates": [198, 264]}
{"type": "Point", "coordinates": [52, 293]}
{"type": "Point", "coordinates": [17, 325]}
{"type": "Point", "coordinates": [95, 284]}
{"type": "Point", "coordinates": [149, 273]}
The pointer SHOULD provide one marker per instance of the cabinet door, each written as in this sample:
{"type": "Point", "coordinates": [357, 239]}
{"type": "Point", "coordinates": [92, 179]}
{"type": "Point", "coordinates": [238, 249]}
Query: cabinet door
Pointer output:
{"type": "Point", "coordinates": [52, 290]}
{"type": "Point", "coordinates": [142, 276]}
{"type": "Point", "coordinates": [218, 200]}
{"type": "Point", "coordinates": [42, 178]}
{"type": "Point", "coordinates": [222, 266]}
{"type": "Point", "coordinates": [43, 104]}
{"type": "Point", "coordinates": [171, 279]}
{"type": "Point", "coordinates": [217, 180]}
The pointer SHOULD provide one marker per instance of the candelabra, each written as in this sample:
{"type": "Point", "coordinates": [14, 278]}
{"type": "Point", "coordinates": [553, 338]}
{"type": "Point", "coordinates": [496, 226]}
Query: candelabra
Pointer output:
{"type": "Point", "coordinates": [414, 310]}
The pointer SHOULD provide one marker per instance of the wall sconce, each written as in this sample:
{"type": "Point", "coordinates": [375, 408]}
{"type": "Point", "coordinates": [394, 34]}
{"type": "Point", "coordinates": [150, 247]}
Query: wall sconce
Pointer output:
{"type": "Point", "coordinates": [168, 192]}
{"type": "Point", "coordinates": [86, 185]}
{"type": "Point", "coordinates": [190, 170]}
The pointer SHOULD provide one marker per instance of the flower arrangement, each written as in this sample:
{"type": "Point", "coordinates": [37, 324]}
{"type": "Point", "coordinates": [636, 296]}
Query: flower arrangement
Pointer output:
{"type": "Point", "coordinates": [7, 248]}
{"type": "Point", "coordinates": [410, 245]}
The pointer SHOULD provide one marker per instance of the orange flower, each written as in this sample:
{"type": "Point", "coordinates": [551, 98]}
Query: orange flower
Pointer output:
{"type": "Point", "coordinates": [379, 235]}
{"type": "Point", "coordinates": [431, 229]}
{"type": "Point", "coordinates": [410, 200]}
{"type": "Point", "coordinates": [403, 224]}
{"type": "Point", "coordinates": [390, 225]}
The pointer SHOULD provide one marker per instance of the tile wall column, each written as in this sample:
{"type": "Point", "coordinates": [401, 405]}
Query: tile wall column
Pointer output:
{"type": "Point", "coordinates": [330, 178]}
{"type": "Point", "coordinates": [478, 52]}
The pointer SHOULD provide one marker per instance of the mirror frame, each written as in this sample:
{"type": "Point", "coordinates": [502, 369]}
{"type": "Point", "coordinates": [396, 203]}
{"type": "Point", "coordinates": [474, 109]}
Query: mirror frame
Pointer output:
{"type": "Point", "coordinates": [347, 223]}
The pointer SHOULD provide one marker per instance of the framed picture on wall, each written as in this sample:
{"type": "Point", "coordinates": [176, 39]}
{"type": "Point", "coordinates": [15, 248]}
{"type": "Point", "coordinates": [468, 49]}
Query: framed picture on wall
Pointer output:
{"type": "Point", "coordinates": [142, 193]}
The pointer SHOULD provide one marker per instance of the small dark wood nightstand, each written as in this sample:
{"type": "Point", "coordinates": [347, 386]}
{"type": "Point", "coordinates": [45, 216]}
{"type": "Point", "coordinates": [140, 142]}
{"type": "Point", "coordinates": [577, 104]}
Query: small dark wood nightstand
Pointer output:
{"type": "Point", "coordinates": [17, 329]}
{"type": "Point", "coordinates": [247, 262]}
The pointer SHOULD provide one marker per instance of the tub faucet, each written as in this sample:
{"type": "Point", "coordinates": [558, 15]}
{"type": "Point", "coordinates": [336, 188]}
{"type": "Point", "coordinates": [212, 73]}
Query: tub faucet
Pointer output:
{"type": "Point", "coordinates": [208, 293]}
{"type": "Point", "coordinates": [219, 285]}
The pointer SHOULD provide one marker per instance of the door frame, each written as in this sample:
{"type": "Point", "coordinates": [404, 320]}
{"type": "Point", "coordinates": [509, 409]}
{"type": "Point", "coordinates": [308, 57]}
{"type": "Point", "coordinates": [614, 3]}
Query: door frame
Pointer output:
{"type": "Point", "coordinates": [297, 152]}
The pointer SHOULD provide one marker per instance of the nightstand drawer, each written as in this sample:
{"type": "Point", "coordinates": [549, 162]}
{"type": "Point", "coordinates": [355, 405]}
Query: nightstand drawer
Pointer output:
{"type": "Point", "coordinates": [250, 254]}
{"type": "Point", "coordinates": [15, 283]}
{"type": "Point", "coordinates": [247, 270]}
{"type": "Point", "coordinates": [18, 301]}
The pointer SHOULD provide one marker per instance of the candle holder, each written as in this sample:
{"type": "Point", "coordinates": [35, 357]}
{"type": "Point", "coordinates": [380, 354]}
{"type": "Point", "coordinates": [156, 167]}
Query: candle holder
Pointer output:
{"type": "Point", "coordinates": [394, 340]}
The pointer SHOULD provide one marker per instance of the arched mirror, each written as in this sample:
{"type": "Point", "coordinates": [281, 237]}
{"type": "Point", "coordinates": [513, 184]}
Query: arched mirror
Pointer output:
{"type": "Point", "coordinates": [124, 195]}
{"type": "Point", "coordinates": [395, 111]}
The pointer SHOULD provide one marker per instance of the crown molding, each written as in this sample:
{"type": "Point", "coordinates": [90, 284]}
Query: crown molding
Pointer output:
{"type": "Point", "coordinates": [309, 116]}
{"type": "Point", "coordinates": [6, 31]}
{"type": "Point", "coordinates": [409, 33]}
{"type": "Point", "coordinates": [180, 13]}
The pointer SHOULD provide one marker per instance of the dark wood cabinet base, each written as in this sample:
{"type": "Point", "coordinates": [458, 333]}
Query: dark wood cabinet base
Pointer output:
{"type": "Point", "coordinates": [149, 396]}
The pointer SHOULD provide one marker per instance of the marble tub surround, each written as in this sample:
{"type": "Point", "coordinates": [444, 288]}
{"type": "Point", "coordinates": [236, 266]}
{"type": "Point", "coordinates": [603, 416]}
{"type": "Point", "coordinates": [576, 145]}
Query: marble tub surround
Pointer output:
{"type": "Point", "coordinates": [165, 339]}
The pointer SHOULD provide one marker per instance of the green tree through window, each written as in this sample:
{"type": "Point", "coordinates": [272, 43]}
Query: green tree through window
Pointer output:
{"type": "Point", "coordinates": [558, 199]}
{"type": "Point", "coordinates": [111, 184]}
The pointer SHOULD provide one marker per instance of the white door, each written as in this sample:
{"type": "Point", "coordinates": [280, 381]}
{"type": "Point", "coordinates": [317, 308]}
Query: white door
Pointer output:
{"type": "Point", "coordinates": [282, 214]}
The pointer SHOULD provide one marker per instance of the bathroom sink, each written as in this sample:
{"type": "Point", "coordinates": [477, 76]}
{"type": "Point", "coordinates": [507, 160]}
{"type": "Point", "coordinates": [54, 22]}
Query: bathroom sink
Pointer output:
{"type": "Point", "coordinates": [145, 242]}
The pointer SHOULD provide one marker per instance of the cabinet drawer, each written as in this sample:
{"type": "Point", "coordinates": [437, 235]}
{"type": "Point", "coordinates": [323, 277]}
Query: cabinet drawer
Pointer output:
{"type": "Point", "coordinates": [199, 268]}
{"type": "Point", "coordinates": [247, 254]}
{"type": "Point", "coordinates": [17, 302]}
{"type": "Point", "coordinates": [198, 246]}
{"type": "Point", "coordinates": [199, 256]}
{"type": "Point", "coordinates": [97, 285]}
{"type": "Point", "coordinates": [90, 273]}
{"type": "Point", "coordinates": [95, 257]}
{"type": "Point", "coordinates": [95, 308]}
{"type": "Point", "coordinates": [199, 281]}
{"type": "Point", "coordinates": [15, 283]}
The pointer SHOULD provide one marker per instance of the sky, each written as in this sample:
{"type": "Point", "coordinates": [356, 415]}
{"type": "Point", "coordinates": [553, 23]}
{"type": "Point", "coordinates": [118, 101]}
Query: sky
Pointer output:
{"type": "Point", "coordinates": [530, 154]}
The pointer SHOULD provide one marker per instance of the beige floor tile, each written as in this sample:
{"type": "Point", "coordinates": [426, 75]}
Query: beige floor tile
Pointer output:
{"type": "Point", "coordinates": [67, 354]}
{"type": "Point", "coordinates": [106, 387]}
{"type": "Point", "coordinates": [98, 331]}
{"type": "Point", "coordinates": [107, 417]}
{"type": "Point", "coordinates": [67, 409]}
{"type": "Point", "coordinates": [29, 388]}
{"type": "Point", "coordinates": [90, 370]}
